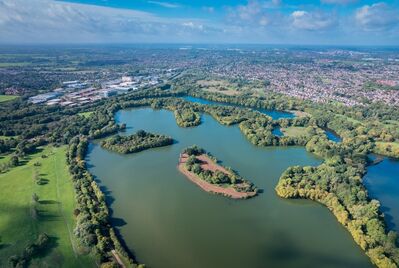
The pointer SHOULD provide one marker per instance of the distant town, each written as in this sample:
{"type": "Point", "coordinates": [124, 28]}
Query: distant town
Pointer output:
{"type": "Point", "coordinates": [77, 92]}
{"type": "Point", "coordinates": [344, 75]}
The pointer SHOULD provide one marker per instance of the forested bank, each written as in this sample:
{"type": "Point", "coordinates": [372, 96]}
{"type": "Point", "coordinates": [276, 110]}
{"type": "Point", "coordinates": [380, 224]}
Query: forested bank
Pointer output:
{"type": "Point", "coordinates": [93, 228]}
{"type": "Point", "coordinates": [137, 142]}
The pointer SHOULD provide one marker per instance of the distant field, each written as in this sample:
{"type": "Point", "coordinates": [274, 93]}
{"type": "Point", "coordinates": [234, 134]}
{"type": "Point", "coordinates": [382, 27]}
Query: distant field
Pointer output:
{"type": "Point", "coordinates": [55, 217]}
{"type": "Point", "coordinates": [86, 114]}
{"type": "Point", "coordinates": [218, 86]}
{"type": "Point", "coordinates": [7, 137]}
{"type": "Point", "coordinates": [294, 131]}
{"type": "Point", "coordinates": [300, 113]}
{"type": "Point", "coordinates": [391, 123]}
{"type": "Point", "coordinates": [4, 98]}
{"type": "Point", "coordinates": [349, 119]}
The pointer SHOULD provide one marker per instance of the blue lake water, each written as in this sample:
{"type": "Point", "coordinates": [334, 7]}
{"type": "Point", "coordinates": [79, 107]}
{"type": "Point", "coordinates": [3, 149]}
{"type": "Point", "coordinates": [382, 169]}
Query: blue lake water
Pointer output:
{"type": "Point", "coordinates": [272, 113]}
{"type": "Point", "coordinates": [332, 136]}
{"type": "Point", "coordinates": [382, 182]}
{"type": "Point", "coordinates": [277, 132]}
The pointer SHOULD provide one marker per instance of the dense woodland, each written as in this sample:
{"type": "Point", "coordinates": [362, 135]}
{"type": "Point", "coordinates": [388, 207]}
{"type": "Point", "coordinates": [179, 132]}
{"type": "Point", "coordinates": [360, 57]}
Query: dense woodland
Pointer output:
{"type": "Point", "coordinates": [137, 142]}
{"type": "Point", "coordinates": [187, 117]}
{"type": "Point", "coordinates": [337, 183]}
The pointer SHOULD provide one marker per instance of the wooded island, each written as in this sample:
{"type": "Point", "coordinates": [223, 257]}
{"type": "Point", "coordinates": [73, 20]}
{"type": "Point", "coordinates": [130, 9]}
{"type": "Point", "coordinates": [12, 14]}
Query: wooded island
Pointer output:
{"type": "Point", "coordinates": [204, 170]}
{"type": "Point", "coordinates": [137, 142]}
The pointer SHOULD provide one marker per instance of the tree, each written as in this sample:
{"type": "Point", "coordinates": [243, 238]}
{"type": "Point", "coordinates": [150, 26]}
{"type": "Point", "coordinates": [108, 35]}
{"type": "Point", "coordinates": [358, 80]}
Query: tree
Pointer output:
{"type": "Point", "coordinates": [14, 161]}
{"type": "Point", "coordinates": [35, 198]}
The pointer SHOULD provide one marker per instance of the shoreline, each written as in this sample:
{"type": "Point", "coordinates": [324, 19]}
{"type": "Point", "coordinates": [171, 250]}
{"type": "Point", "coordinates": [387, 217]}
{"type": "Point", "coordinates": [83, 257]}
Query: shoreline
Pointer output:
{"type": "Point", "coordinates": [209, 187]}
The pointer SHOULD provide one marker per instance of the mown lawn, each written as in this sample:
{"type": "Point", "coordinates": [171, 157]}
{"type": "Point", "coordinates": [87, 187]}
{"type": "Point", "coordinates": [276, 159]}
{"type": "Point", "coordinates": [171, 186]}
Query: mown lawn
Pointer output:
{"type": "Point", "coordinates": [294, 131]}
{"type": "Point", "coordinates": [55, 211]}
{"type": "Point", "coordinates": [4, 98]}
{"type": "Point", "coordinates": [86, 114]}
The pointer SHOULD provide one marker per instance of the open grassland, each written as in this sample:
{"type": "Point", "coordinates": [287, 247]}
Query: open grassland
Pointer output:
{"type": "Point", "coordinates": [219, 86]}
{"type": "Point", "coordinates": [391, 123]}
{"type": "Point", "coordinates": [5, 137]}
{"type": "Point", "coordinates": [18, 226]}
{"type": "Point", "coordinates": [294, 131]}
{"type": "Point", "coordinates": [86, 114]}
{"type": "Point", "coordinates": [4, 98]}
{"type": "Point", "coordinates": [5, 159]}
{"type": "Point", "coordinates": [352, 120]}
{"type": "Point", "coordinates": [300, 113]}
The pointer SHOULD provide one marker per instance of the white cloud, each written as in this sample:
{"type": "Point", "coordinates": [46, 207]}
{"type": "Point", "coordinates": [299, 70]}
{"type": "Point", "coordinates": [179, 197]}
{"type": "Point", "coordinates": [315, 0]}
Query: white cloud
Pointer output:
{"type": "Point", "coordinates": [255, 13]}
{"type": "Point", "coordinates": [339, 2]}
{"type": "Point", "coordinates": [47, 21]}
{"type": "Point", "coordinates": [193, 25]}
{"type": "Point", "coordinates": [208, 9]}
{"type": "Point", "coordinates": [164, 4]}
{"type": "Point", "coordinates": [312, 21]}
{"type": "Point", "coordinates": [276, 2]}
{"type": "Point", "coordinates": [377, 17]}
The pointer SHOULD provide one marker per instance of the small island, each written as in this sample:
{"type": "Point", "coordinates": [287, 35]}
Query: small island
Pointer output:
{"type": "Point", "coordinates": [187, 117]}
{"type": "Point", "coordinates": [137, 142]}
{"type": "Point", "coordinates": [204, 170]}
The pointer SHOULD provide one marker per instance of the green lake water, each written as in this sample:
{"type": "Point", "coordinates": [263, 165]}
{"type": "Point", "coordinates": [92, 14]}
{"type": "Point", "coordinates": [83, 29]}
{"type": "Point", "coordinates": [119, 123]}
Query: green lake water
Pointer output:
{"type": "Point", "coordinates": [168, 222]}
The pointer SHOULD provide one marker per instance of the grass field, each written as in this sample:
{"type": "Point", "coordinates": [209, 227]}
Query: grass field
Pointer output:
{"type": "Point", "coordinates": [294, 131]}
{"type": "Point", "coordinates": [4, 137]}
{"type": "Point", "coordinates": [4, 98]}
{"type": "Point", "coordinates": [4, 159]}
{"type": "Point", "coordinates": [85, 114]}
{"type": "Point", "coordinates": [55, 217]}
{"type": "Point", "coordinates": [300, 113]}
{"type": "Point", "coordinates": [350, 119]}
{"type": "Point", "coordinates": [218, 86]}
{"type": "Point", "coordinates": [391, 123]}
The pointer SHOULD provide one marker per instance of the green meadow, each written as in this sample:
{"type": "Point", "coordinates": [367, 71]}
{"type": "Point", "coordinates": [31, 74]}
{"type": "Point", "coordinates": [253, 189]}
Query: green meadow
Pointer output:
{"type": "Point", "coordinates": [19, 226]}
{"type": "Point", "coordinates": [4, 98]}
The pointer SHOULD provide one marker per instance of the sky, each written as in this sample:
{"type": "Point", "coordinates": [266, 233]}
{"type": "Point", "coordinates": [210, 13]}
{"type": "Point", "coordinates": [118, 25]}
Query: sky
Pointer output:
{"type": "Point", "coordinates": [308, 22]}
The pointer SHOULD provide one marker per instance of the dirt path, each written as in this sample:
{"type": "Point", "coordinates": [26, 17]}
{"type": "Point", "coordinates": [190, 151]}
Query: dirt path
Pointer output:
{"type": "Point", "coordinates": [209, 187]}
{"type": "Point", "coordinates": [209, 164]}
{"type": "Point", "coordinates": [117, 258]}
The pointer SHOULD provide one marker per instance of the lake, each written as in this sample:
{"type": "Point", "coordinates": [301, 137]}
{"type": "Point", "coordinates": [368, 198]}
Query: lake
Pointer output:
{"type": "Point", "coordinates": [272, 113]}
{"type": "Point", "coordinates": [277, 132]}
{"type": "Point", "coordinates": [169, 222]}
{"type": "Point", "coordinates": [332, 136]}
{"type": "Point", "coordinates": [382, 182]}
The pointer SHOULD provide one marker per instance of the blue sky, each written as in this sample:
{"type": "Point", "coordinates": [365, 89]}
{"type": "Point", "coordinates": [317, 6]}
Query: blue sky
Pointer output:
{"type": "Point", "coordinates": [314, 22]}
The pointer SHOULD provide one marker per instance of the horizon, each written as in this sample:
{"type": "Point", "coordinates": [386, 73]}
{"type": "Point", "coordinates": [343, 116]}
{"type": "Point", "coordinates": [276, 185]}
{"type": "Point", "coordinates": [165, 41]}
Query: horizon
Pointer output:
{"type": "Point", "coordinates": [197, 45]}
